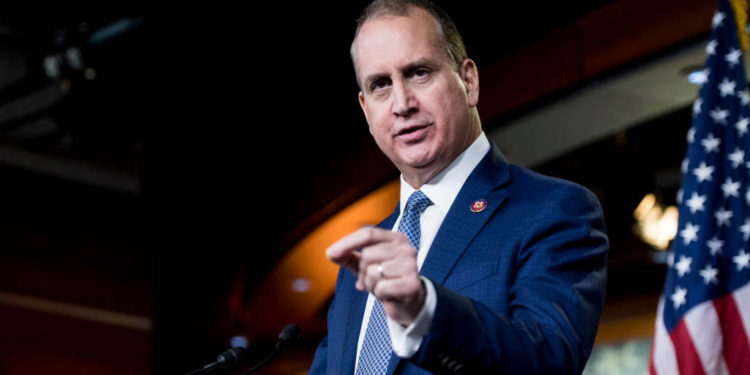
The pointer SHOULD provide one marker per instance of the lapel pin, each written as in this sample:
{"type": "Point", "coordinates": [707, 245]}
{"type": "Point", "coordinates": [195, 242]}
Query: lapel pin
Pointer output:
{"type": "Point", "coordinates": [478, 205]}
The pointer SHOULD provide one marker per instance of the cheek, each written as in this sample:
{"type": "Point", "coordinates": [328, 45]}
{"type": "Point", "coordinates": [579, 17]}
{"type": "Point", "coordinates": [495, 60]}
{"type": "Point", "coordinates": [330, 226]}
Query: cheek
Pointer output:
{"type": "Point", "coordinates": [379, 127]}
{"type": "Point", "coordinates": [452, 107]}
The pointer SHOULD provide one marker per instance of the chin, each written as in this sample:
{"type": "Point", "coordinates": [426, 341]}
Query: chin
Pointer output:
{"type": "Point", "coordinates": [425, 163]}
{"type": "Point", "coordinates": [416, 161]}
{"type": "Point", "coordinates": [418, 158]}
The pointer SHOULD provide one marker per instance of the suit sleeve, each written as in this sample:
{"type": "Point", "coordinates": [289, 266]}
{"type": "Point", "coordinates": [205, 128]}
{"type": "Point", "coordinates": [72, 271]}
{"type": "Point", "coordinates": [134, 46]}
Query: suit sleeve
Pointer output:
{"type": "Point", "coordinates": [555, 300]}
{"type": "Point", "coordinates": [320, 361]}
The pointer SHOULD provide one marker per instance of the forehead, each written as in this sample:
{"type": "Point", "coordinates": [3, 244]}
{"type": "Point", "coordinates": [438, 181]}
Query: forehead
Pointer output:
{"type": "Point", "coordinates": [389, 40]}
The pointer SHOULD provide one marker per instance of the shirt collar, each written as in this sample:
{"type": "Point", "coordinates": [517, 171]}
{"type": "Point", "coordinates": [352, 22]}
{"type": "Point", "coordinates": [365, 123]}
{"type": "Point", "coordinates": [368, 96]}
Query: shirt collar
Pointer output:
{"type": "Point", "coordinates": [444, 187]}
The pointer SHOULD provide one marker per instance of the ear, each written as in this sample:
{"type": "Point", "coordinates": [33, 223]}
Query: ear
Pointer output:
{"type": "Point", "coordinates": [470, 75]}
{"type": "Point", "coordinates": [363, 105]}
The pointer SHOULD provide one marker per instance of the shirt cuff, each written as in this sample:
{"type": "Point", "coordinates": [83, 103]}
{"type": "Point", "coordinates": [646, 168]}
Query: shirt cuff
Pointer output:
{"type": "Point", "coordinates": [406, 340]}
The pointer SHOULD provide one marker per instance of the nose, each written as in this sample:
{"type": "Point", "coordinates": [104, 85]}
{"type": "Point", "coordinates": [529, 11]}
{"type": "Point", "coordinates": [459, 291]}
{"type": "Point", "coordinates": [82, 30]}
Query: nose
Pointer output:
{"type": "Point", "coordinates": [404, 101]}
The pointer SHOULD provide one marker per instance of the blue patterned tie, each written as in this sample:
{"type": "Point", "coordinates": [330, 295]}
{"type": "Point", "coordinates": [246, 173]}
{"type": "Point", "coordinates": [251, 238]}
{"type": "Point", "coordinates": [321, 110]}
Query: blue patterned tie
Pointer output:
{"type": "Point", "coordinates": [376, 348]}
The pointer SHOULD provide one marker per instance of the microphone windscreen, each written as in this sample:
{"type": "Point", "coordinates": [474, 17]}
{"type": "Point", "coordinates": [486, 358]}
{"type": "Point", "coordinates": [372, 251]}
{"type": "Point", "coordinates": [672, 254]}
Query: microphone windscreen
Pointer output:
{"type": "Point", "coordinates": [289, 333]}
{"type": "Point", "coordinates": [231, 357]}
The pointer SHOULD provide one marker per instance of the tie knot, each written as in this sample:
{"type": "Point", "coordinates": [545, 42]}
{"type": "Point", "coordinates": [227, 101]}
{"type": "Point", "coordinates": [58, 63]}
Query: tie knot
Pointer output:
{"type": "Point", "coordinates": [417, 202]}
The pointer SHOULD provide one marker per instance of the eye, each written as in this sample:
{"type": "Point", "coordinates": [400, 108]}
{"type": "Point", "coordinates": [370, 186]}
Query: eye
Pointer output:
{"type": "Point", "coordinates": [421, 72]}
{"type": "Point", "coordinates": [379, 84]}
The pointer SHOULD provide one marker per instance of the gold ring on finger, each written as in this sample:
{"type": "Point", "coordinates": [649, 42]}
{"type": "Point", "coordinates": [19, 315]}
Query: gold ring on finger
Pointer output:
{"type": "Point", "coordinates": [380, 271]}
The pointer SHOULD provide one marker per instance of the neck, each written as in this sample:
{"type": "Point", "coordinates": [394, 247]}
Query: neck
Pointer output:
{"type": "Point", "coordinates": [416, 181]}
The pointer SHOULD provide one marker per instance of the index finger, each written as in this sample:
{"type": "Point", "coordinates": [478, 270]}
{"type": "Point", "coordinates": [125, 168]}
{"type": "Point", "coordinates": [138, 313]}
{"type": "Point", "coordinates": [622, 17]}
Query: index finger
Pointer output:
{"type": "Point", "coordinates": [363, 237]}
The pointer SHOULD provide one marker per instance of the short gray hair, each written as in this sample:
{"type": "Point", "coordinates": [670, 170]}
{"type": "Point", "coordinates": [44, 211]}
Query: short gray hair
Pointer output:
{"type": "Point", "coordinates": [452, 41]}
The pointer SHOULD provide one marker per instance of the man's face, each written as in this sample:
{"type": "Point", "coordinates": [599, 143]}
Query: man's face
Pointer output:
{"type": "Point", "coordinates": [416, 104]}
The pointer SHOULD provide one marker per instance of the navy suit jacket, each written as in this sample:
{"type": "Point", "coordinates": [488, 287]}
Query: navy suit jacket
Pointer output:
{"type": "Point", "coordinates": [520, 285]}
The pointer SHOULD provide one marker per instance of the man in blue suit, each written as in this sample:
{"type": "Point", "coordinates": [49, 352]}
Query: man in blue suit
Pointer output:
{"type": "Point", "coordinates": [484, 267]}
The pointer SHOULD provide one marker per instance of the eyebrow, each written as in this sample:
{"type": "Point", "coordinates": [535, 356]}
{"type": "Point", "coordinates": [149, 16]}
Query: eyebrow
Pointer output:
{"type": "Point", "coordinates": [369, 80]}
{"type": "Point", "coordinates": [417, 64]}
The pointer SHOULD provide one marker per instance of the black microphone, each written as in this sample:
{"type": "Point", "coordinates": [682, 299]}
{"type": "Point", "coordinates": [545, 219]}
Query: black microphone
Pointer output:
{"type": "Point", "coordinates": [224, 361]}
{"type": "Point", "coordinates": [288, 335]}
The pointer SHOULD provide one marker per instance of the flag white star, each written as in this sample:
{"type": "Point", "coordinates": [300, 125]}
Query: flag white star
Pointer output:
{"type": "Point", "coordinates": [678, 297]}
{"type": "Point", "coordinates": [689, 233]}
{"type": "Point", "coordinates": [718, 19]}
{"type": "Point", "coordinates": [710, 143]}
{"type": "Point", "coordinates": [711, 47]}
{"type": "Point", "coordinates": [726, 87]}
{"type": "Point", "coordinates": [703, 172]}
{"type": "Point", "coordinates": [742, 260]}
{"type": "Point", "coordinates": [683, 265]}
{"type": "Point", "coordinates": [745, 229]}
{"type": "Point", "coordinates": [679, 196]}
{"type": "Point", "coordinates": [691, 135]}
{"type": "Point", "coordinates": [684, 166]}
{"type": "Point", "coordinates": [719, 115]}
{"type": "Point", "coordinates": [737, 157]}
{"type": "Point", "coordinates": [744, 96]}
{"type": "Point", "coordinates": [715, 245]}
{"type": "Point", "coordinates": [723, 216]}
{"type": "Point", "coordinates": [709, 274]}
{"type": "Point", "coordinates": [747, 194]}
{"type": "Point", "coordinates": [697, 104]}
{"type": "Point", "coordinates": [696, 202]}
{"type": "Point", "coordinates": [741, 125]}
{"type": "Point", "coordinates": [733, 57]}
{"type": "Point", "coordinates": [730, 188]}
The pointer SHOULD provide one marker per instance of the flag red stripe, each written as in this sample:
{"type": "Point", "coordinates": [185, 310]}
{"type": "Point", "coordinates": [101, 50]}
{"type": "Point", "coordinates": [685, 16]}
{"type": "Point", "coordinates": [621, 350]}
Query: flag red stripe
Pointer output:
{"type": "Point", "coordinates": [736, 344]}
{"type": "Point", "coordinates": [688, 361]}
{"type": "Point", "coordinates": [663, 359]}
{"type": "Point", "coordinates": [651, 367]}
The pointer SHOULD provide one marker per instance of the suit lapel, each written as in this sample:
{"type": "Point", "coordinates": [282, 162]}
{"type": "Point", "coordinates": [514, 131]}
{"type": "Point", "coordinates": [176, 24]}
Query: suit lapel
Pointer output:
{"type": "Point", "coordinates": [353, 324]}
{"type": "Point", "coordinates": [461, 225]}
{"type": "Point", "coordinates": [356, 309]}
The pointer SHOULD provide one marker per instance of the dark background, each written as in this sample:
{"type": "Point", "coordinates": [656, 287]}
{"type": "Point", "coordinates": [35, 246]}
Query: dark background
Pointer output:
{"type": "Point", "coordinates": [243, 131]}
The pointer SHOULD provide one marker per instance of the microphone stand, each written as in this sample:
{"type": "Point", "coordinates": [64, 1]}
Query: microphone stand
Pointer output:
{"type": "Point", "coordinates": [288, 335]}
{"type": "Point", "coordinates": [232, 357]}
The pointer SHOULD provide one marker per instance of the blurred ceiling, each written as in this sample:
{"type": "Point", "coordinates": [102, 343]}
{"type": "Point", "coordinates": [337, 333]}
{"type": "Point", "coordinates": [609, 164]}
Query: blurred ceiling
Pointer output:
{"type": "Point", "coordinates": [205, 92]}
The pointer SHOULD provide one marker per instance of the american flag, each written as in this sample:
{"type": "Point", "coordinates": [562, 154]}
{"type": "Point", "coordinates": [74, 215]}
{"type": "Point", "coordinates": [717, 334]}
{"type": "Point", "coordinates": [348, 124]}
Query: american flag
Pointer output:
{"type": "Point", "coordinates": [703, 318]}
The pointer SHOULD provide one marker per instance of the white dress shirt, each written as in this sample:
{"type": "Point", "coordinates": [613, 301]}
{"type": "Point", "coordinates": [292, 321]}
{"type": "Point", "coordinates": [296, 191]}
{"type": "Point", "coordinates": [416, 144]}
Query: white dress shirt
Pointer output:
{"type": "Point", "coordinates": [442, 191]}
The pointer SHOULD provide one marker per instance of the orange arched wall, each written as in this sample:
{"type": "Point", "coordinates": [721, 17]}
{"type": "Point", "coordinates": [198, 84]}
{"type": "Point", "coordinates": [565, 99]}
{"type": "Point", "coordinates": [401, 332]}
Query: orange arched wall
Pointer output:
{"type": "Point", "coordinates": [306, 269]}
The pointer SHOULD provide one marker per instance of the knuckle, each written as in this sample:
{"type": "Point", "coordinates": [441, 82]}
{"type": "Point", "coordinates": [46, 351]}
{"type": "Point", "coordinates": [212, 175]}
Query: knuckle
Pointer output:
{"type": "Point", "coordinates": [368, 255]}
{"type": "Point", "coordinates": [401, 237]}
{"type": "Point", "coordinates": [365, 256]}
{"type": "Point", "coordinates": [368, 234]}
{"type": "Point", "coordinates": [408, 284]}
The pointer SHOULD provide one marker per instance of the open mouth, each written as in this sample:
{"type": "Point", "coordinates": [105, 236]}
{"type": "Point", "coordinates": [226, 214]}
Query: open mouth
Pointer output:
{"type": "Point", "coordinates": [413, 134]}
{"type": "Point", "coordinates": [412, 129]}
